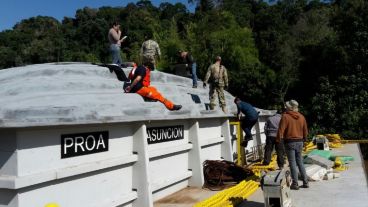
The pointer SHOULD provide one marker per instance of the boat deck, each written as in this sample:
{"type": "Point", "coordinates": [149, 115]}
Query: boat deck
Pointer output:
{"type": "Point", "coordinates": [351, 189]}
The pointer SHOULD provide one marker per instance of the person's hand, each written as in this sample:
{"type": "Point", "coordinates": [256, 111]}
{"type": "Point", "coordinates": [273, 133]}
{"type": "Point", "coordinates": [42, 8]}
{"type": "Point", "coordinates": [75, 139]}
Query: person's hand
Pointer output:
{"type": "Point", "coordinates": [186, 65]}
{"type": "Point", "coordinates": [204, 85]}
{"type": "Point", "coordinates": [127, 89]}
{"type": "Point", "coordinates": [239, 116]}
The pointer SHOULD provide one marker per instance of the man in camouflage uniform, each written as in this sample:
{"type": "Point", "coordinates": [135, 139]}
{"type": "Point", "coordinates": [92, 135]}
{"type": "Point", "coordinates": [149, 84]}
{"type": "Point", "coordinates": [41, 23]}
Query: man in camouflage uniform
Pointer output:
{"type": "Point", "coordinates": [217, 77]}
{"type": "Point", "coordinates": [150, 50]}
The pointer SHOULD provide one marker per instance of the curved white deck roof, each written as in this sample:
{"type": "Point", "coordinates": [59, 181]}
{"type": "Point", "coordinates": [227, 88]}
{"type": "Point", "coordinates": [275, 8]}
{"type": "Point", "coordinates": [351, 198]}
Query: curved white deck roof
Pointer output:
{"type": "Point", "coordinates": [81, 93]}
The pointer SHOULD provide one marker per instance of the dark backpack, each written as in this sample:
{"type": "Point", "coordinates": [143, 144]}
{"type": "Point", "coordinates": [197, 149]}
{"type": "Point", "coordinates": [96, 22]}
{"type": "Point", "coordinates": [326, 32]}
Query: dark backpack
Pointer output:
{"type": "Point", "coordinates": [218, 172]}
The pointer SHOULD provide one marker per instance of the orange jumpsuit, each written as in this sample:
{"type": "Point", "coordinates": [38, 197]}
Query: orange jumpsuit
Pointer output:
{"type": "Point", "coordinates": [152, 93]}
{"type": "Point", "coordinates": [149, 91]}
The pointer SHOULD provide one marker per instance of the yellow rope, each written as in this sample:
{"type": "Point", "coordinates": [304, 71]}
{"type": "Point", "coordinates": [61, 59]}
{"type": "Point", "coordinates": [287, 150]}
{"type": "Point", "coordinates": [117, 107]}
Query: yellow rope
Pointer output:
{"type": "Point", "coordinates": [231, 196]}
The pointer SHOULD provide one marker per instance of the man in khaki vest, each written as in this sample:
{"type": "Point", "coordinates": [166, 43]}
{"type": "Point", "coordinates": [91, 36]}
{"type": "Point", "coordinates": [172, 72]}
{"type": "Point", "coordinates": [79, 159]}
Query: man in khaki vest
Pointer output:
{"type": "Point", "coordinates": [150, 50]}
{"type": "Point", "coordinates": [218, 79]}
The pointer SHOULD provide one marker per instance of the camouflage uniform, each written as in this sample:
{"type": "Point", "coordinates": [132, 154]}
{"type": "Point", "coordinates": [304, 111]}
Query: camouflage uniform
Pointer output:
{"type": "Point", "coordinates": [217, 77]}
{"type": "Point", "coordinates": [150, 50]}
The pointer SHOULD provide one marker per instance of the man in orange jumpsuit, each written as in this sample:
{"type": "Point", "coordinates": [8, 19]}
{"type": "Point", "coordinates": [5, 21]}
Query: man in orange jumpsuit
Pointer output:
{"type": "Point", "coordinates": [140, 77]}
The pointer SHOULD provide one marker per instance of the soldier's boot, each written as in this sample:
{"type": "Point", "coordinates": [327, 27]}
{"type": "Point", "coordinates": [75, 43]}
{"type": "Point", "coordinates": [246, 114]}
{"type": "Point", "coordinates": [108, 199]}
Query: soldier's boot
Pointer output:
{"type": "Point", "coordinates": [224, 109]}
{"type": "Point", "coordinates": [212, 106]}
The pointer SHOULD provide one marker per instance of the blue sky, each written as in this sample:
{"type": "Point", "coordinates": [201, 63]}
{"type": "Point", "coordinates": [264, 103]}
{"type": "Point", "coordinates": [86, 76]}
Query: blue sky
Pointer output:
{"type": "Point", "coordinates": [13, 11]}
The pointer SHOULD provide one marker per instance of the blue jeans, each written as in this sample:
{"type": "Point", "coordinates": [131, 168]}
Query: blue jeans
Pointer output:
{"type": "Point", "coordinates": [115, 52]}
{"type": "Point", "coordinates": [247, 125]}
{"type": "Point", "coordinates": [194, 74]}
{"type": "Point", "coordinates": [294, 155]}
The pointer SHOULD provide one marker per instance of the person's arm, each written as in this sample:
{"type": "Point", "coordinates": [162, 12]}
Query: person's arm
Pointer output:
{"type": "Point", "coordinates": [115, 35]}
{"type": "Point", "coordinates": [305, 130]}
{"type": "Point", "coordinates": [266, 126]}
{"type": "Point", "coordinates": [226, 80]}
{"type": "Point", "coordinates": [281, 130]}
{"type": "Point", "coordinates": [135, 81]}
{"type": "Point", "coordinates": [238, 113]}
{"type": "Point", "coordinates": [208, 75]}
{"type": "Point", "coordinates": [158, 51]}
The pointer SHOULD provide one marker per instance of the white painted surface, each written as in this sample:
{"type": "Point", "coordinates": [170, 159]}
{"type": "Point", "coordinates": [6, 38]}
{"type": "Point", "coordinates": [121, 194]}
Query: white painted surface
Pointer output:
{"type": "Point", "coordinates": [48, 100]}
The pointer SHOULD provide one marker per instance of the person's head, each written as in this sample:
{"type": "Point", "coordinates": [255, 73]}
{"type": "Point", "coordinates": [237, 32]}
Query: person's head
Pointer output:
{"type": "Point", "coordinates": [148, 35]}
{"type": "Point", "coordinates": [292, 105]}
{"type": "Point", "coordinates": [148, 65]}
{"type": "Point", "coordinates": [116, 25]}
{"type": "Point", "coordinates": [280, 109]}
{"type": "Point", "coordinates": [237, 100]}
{"type": "Point", "coordinates": [218, 59]}
{"type": "Point", "coordinates": [182, 53]}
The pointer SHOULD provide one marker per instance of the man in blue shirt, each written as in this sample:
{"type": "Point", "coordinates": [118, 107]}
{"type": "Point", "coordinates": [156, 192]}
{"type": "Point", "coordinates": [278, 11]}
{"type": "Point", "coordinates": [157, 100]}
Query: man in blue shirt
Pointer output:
{"type": "Point", "coordinates": [248, 121]}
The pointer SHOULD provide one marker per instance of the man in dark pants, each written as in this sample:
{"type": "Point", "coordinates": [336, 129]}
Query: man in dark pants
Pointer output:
{"type": "Point", "coordinates": [250, 119]}
{"type": "Point", "coordinates": [271, 127]}
{"type": "Point", "coordinates": [293, 130]}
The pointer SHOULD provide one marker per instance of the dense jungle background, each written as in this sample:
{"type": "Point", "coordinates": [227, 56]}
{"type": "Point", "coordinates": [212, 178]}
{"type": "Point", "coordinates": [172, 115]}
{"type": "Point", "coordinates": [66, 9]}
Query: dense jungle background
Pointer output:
{"type": "Point", "coordinates": [315, 52]}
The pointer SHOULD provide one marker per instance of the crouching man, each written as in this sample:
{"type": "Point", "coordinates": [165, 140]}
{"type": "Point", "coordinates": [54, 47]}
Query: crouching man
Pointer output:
{"type": "Point", "coordinates": [141, 80]}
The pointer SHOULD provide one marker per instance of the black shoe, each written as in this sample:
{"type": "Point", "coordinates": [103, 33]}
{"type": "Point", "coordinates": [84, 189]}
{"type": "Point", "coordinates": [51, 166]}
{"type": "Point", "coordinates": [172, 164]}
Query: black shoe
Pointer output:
{"type": "Point", "coordinates": [265, 163]}
{"type": "Point", "coordinates": [248, 138]}
{"type": "Point", "coordinates": [294, 187]}
{"type": "Point", "coordinates": [305, 185]}
{"type": "Point", "coordinates": [176, 107]}
{"type": "Point", "coordinates": [244, 143]}
{"type": "Point", "coordinates": [195, 86]}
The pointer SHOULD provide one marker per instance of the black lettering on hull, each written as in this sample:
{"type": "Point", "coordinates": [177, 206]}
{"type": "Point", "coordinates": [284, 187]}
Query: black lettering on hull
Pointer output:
{"type": "Point", "coordinates": [165, 134]}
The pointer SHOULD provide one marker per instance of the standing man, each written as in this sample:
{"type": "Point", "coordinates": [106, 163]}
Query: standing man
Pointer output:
{"type": "Point", "coordinates": [115, 43]}
{"type": "Point", "coordinates": [248, 121]}
{"type": "Point", "coordinates": [187, 59]}
{"type": "Point", "coordinates": [293, 130]}
{"type": "Point", "coordinates": [150, 50]}
{"type": "Point", "coordinates": [271, 127]}
{"type": "Point", "coordinates": [217, 77]}
{"type": "Point", "coordinates": [141, 84]}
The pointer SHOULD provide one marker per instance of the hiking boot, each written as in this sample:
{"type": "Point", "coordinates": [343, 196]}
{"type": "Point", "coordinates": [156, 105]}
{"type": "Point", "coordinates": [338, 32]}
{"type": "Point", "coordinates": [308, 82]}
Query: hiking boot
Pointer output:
{"type": "Point", "coordinates": [248, 138]}
{"type": "Point", "coordinates": [194, 86]}
{"type": "Point", "coordinates": [305, 185]}
{"type": "Point", "coordinates": [294, 187]}
{"type": "Point", "coordinates": [265, 163]}
{"type": "Point", "coordinates": [224, 109]}
{"type": "Point", "coordinates": [244, 143]}
{"type": "Point", "coordinates": [176, 108]}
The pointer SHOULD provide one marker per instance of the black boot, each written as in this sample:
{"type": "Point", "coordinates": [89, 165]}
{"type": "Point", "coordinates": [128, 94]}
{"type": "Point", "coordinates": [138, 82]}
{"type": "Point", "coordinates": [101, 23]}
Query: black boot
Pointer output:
{"type": "Point", "coordinates": [294, 186]}
{"type": "Point", "coordinates": [176, 108]}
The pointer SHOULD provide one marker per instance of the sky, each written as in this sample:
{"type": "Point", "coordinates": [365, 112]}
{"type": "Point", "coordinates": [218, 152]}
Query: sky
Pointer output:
{"type": "Point", "coordinates": [13, 11]}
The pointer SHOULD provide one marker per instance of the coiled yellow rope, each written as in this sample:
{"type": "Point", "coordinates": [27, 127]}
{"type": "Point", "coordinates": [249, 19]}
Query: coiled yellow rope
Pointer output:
{"type": "Point", "coordinates": [231, 196]}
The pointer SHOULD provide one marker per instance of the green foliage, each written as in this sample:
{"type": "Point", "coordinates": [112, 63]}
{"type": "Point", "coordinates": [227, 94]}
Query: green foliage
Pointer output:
{"type": "Point", "coordinates": [314, 52]}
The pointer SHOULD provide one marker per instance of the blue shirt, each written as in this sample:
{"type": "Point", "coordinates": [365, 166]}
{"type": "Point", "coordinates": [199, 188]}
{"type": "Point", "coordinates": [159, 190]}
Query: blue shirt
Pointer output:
{"type": "Point", "coordinates": [248, 110]}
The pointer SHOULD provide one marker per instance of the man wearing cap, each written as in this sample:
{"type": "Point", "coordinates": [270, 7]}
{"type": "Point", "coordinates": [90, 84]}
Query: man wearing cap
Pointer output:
{"type": "Point", "coordinates": [217, 77]}
{"type": "Point", "coordinates": [293, 131]}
